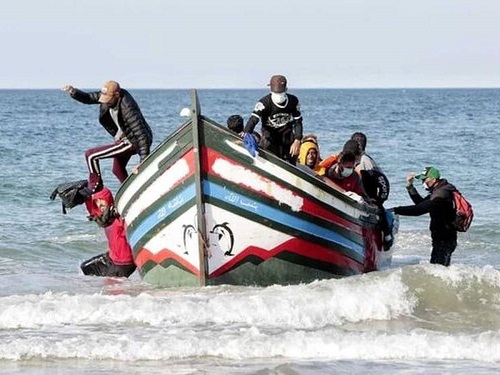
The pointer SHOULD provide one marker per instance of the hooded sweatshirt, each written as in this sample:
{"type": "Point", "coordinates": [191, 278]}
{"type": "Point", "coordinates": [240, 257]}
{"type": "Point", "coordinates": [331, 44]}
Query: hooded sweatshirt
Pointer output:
{"type": "Point", "coordinates": [308, 144]}
{"type": "Point", "coordinates": [119, 249]}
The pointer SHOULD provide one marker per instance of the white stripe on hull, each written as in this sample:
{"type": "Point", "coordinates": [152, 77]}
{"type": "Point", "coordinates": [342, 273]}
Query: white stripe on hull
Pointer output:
{"type": "Point", "coordinates": [178, 238]}
{"type": "Point", "coordinates": [245, 233]}
{"type": "Point", "coordinates": [293, 180]}
{"type": "Point", "coordinates": [162, 185]}
{"type": "Point", "coordinates": [143, 177]}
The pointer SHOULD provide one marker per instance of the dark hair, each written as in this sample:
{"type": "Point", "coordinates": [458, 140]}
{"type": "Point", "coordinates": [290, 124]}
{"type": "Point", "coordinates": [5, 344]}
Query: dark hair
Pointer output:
{"type": "Point", "coordinates": [235, 123]}
{"type": "Point", "coordinates": [360, 138]}
{"type": "Point", "coordinates": [352, 147]}
{"type": "Point", "coordinates": [347, 157]}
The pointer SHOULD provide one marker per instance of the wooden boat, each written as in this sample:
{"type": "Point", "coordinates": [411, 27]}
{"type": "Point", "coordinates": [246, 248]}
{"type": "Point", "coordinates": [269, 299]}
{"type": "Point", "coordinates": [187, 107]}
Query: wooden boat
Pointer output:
{"type": "Point", "coordinates": [203, 211]}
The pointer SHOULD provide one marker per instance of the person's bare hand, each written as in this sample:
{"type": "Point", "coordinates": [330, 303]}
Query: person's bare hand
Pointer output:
{"type": "Point", "coordinates": [69, 89]}
{"type": "Point", "coordinates": [295, 148]}
{"type": "Point", "coordinates": [135, 170]}
{"type": "Point", "coordinates": [410, 178]}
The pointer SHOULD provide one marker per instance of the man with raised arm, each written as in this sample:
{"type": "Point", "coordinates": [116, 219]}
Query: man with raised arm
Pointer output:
{"type": "Point", "coordinates": [120, 115]}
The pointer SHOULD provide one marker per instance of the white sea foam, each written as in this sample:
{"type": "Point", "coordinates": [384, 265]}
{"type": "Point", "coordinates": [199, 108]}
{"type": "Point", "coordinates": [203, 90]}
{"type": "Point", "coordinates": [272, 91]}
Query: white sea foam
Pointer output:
{"type": "Point", "coordinates": [319, 304]}
{"type": "Point", "coordinates": [74, 238]}
{"type": "Point", "coordinates": [369, 317]}
{"type": "Point", "coordinates": [231, 342]}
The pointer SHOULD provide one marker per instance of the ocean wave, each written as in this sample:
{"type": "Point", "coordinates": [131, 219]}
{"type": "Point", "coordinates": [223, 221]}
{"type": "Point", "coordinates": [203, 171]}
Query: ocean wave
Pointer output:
{"type": "Point", "coordinates": [248, 343]}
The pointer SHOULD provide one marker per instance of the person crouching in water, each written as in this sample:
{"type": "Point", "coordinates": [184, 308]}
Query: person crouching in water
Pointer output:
{"type": "Point", "coordinates": [118, 261]}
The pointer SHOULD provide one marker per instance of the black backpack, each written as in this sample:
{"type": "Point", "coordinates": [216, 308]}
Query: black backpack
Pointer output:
{"type": "Point", "coordinates": [376, 185]}
{"type": "Point", "coordinates": [71, 193]}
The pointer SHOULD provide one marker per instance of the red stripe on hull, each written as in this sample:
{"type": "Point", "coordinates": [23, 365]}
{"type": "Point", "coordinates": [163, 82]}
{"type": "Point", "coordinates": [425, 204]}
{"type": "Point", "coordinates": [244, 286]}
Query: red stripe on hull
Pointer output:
{"type": "Point", "coordinates": [373, 246]}
{"type": "Point", "coordinates": [188, 157]}
{"type": "Point", "coordinates": [308, 207]}
{"type": "Point", "coordinates": [144, 256]}
{"type": "Point", "coordinates": [298, 246]}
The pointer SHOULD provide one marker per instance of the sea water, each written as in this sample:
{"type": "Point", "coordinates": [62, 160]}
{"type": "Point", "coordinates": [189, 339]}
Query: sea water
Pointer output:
{"type": "Point", "coordinates": [412, 318]}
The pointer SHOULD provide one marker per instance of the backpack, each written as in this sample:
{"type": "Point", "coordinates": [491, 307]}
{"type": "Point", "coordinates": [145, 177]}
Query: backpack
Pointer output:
{"type": "Point", "coordinates": [71, 193]}
{"type": "Point", "coordinates": [463, 212]}
{"type": "Point", "coordinates": [376, 185]}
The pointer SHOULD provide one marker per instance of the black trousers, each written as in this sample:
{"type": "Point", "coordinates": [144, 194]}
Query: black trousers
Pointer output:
{"type": "Point", "coordinates": [385, 228]}
{"type": "Point", "coordinates": [279, 144]}
{"type": "Point", "coordinates": [102, 265]}
{"type": "Point", "coordinates": [442, 250]}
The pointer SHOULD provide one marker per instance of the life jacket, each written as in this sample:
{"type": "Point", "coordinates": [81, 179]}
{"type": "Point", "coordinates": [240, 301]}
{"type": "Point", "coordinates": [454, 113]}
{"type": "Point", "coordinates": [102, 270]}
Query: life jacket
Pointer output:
{"type": "Point", "coordinates": [329, 162]}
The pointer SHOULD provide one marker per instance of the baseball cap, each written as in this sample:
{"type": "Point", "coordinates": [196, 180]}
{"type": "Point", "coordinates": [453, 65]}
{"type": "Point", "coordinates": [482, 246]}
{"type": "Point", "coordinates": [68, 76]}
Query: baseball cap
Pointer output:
{"type": "Point", "coordinates": [108, 91]}
{"type": "Point", "coordinates": [278, 84]}
{"type": "Point", "coordinates": [428, 172]}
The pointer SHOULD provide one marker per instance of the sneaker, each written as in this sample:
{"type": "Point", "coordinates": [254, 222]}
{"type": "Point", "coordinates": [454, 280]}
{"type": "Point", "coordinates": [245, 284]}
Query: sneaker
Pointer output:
{"type": "Point", "coordinates": [388, 242]}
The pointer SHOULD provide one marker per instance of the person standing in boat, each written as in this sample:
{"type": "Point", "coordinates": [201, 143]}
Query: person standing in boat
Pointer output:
{"type": "Point", "coordinates": [376, 185]}
{"type": "Point", "coordinates": [439, 205]}
{"type": "Point", "coordinates": [366, 162]}
{"type": "Point", "coordinates": [118, 261]}
{"type": "Point", "coordinates": [279, 113]}
{"type": "Point", "coordinates": [122, 118]}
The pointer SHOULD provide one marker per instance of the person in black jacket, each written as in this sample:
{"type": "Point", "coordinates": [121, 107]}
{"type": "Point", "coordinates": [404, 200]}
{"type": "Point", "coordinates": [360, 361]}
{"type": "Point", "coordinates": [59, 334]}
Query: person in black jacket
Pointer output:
{"type": "Point", "coordinates": [120, 115]}
{"type": "Point", "coordinates": [281, 121]}
{"type": "Point", "coordinates": [377, 187]}
{"type": "Point", "coordinates": [439, 204]}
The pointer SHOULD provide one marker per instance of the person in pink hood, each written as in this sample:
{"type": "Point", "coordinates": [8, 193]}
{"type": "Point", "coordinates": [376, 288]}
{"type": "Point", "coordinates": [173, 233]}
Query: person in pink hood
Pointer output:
{"type": "Point", "coordinates": [118, 261]}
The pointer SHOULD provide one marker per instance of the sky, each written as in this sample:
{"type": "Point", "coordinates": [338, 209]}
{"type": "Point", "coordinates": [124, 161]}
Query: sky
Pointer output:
{"type": "Point", "coordinates": [240, 44]}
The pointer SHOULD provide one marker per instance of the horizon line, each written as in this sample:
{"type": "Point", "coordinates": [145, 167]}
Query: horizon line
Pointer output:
{"type": "Point", "coordinates": [264, 88]}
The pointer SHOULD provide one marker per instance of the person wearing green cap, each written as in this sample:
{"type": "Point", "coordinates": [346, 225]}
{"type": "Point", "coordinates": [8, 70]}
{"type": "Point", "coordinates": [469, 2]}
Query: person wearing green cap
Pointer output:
{"type": "Point", "coordinates": [439, 205]}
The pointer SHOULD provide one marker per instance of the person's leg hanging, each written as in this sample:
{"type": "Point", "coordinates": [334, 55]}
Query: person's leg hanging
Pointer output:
{"type": "Point", "coordinates": [93, 155]}
{"type": "Point", "coordinates": [120, 163]}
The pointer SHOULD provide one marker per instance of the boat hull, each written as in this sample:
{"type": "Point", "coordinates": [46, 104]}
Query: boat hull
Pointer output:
{"type": "Point", "coordinates": [203, 211]}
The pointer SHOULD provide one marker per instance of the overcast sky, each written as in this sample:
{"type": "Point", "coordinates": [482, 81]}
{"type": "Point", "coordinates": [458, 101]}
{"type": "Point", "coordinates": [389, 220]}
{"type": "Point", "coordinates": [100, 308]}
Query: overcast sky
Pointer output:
{"type": "Point", "coordinates": [240, 43]}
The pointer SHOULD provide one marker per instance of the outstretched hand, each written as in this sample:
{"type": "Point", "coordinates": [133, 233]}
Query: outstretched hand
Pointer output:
{"type": "Point", "coordinates": [409, 179]}
{"type": "Point", "coordinates": [69, 89]}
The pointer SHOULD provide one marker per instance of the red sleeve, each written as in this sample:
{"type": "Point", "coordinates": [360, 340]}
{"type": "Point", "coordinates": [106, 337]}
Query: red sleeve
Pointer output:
{"type": "Point", "coordinates": [120, 251]}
